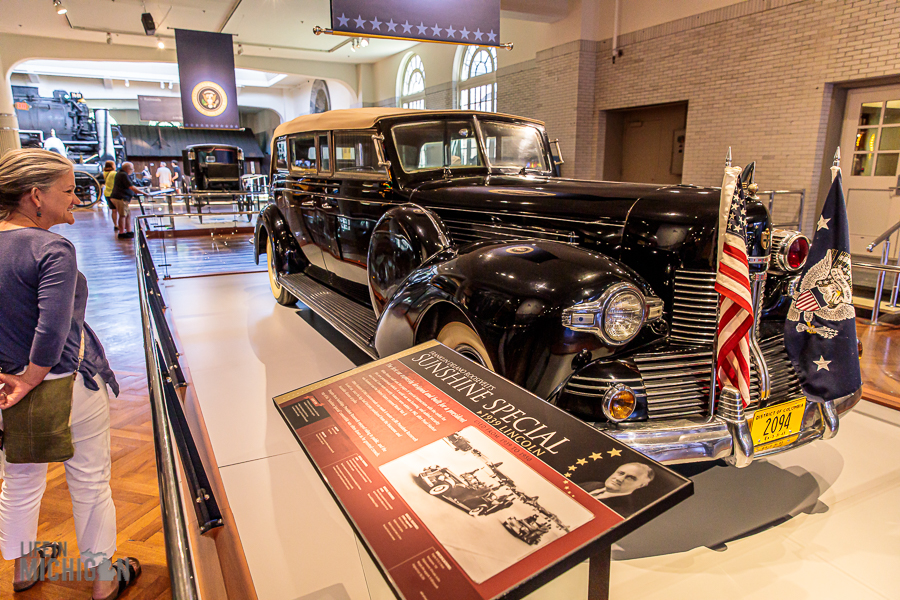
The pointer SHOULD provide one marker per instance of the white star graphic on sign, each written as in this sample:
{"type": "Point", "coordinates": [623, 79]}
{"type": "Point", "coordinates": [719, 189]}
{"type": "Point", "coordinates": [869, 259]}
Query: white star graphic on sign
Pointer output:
{"type": "Point", "coordinates": [421, 27]}
{"type": "Point", "coordinates": [822, 364]}
{"type": "Point", "coordinates": [407, 27]}
{"type": "Point", "coordinates": [478, 34]}
{"type": "Point", "coordinates": [360, 22]}
{"type": "Point", "coordinates": [464, 33]}
{"type": "Point", "coordinates": [376, 24]}
{"type": "Point", "coordinates": [343, 19]}
{"type": "Point", "coordinates": [450, 31]}
{"type": "Point", "coordinates": [822, 224]}
{"type": "Point", "coordinates": [437, 30]}
{"type": "Point", "coordinates": [391, 25]}
{"type": "Point", "coordinates": [492, 36]}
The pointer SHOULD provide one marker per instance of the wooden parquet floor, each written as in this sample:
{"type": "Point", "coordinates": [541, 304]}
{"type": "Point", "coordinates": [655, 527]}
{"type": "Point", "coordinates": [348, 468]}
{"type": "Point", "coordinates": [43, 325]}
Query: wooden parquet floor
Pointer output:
{"type": "Point", "coordinates": [113, 312]}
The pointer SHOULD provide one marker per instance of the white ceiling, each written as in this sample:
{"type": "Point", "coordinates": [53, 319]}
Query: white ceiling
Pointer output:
{"type": "Point", "coordinates": [266, 28]}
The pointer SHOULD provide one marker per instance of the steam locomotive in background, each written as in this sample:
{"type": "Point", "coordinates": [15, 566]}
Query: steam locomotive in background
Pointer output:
{"type": "Point", "coordinates": [64, 123]}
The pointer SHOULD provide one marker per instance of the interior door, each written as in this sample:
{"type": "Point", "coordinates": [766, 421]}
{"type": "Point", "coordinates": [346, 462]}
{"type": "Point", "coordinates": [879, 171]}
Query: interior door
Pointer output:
{"type": "Point", "coordinates": [870, 161]}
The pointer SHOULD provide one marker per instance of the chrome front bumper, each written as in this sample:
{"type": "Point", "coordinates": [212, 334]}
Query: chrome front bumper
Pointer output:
{"type": "Point", "coordinates": [691, 440]}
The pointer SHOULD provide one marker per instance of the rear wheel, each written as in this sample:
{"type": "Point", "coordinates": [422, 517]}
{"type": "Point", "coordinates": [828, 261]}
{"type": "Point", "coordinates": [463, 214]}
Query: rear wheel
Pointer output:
{"type": "Point", "coordinates": [87, 189]}
{"type": "Point", "coordinates": [463, 339]}
{"type": "Point", "coordinates": [282, 296]}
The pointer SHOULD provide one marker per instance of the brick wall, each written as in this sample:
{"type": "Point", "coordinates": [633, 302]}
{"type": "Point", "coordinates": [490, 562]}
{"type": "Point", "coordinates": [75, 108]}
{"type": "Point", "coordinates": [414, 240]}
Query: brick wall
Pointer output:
{"type": "Point", "coordinates": [759, 76]}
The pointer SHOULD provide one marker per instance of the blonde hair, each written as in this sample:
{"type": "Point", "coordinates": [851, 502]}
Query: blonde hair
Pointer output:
{"type": "Point", "coordinates": [23, 170]}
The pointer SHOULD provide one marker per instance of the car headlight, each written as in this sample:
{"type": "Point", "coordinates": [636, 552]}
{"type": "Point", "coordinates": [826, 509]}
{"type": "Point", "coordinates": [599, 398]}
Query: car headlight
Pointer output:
{"type": "Point", "coordinates": [616, 317]}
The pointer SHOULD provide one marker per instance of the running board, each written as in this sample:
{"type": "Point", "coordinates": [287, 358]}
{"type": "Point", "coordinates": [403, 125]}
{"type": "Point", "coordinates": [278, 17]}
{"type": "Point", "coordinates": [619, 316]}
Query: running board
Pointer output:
{"type": "Point", "coordinates": [356, 322]}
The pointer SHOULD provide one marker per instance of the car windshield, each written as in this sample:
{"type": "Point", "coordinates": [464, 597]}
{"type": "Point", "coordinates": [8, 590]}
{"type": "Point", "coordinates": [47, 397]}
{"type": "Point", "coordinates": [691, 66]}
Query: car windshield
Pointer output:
{"type": "Point", "coordinates": [514, 146]}
{"type": "Point", "coordinates": [436, 145]}
{"type": "Point", "coordinates": [454, 144]}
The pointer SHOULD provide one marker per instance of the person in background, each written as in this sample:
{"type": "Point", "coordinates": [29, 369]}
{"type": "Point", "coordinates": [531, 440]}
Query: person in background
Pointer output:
{"type": "Point", "coordinates": [164, 176]}
{"type": "Point", "coordinates": [146, 179]}
{"type": "Point", "coordinates": [43, 336]}
{"type": "Point", "coordinates": [177, 179]}
{"type": "Point", "coordinates": [123, 191]}
{"type": "Point", "coordinates": [109, 179]}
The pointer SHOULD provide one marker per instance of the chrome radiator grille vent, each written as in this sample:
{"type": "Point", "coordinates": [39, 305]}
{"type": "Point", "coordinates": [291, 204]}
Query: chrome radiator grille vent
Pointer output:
{"type": "Point", "coordinates": [676, 383]}
{"type": "Point", "coordinates": [783, 381]}
{"type": "Point", "coordinates": [596, 387]}
{"type": "Point", "coordinates": [694, 307]}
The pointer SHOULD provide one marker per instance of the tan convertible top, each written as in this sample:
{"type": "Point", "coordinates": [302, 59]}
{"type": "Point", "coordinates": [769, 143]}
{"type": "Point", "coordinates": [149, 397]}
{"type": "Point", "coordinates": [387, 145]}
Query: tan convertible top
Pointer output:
{"type": "Point", "coordinates": [363, 118]}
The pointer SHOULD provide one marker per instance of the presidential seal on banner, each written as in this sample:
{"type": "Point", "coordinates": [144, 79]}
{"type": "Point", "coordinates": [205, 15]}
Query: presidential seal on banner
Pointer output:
{"type": "Point", "coordinates": [209, 98]}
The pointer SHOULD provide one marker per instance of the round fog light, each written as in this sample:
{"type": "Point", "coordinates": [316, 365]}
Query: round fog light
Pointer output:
{"type": "Point", "coordinates": [619, 403]}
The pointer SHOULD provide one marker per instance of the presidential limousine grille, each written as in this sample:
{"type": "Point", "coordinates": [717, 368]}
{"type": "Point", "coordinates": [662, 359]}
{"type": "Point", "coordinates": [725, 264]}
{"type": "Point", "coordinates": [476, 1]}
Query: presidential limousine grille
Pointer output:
{"type": "Point", "coordinates": [676, 383]}
{"type": "Point", "coordinates": [465, 232]}
{"type": "Point", "coordinates": [783, 381]}
{"type": "Point", "coordinates": [694, 307]}
{"type": "Point", "coordinates": [596, 387]}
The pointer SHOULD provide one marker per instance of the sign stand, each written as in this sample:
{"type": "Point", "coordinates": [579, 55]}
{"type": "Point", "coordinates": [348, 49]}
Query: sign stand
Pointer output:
{"type": "Point", "coordinates": [598, 575]}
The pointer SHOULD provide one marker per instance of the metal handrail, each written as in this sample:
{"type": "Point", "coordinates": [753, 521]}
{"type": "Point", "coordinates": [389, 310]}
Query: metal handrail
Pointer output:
{"type": "Point", "coordinates": [182, 578]}
{"type": "Point", "coordinates": [876, 267]}
{"type": "Point", "coordinates": [772, 193]}
{"type": "Point", "coordinates": [883, 237]}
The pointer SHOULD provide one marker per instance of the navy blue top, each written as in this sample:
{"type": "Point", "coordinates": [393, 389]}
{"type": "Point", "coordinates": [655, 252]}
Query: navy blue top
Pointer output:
{"type": "Point", "coordinates": [43, 298]}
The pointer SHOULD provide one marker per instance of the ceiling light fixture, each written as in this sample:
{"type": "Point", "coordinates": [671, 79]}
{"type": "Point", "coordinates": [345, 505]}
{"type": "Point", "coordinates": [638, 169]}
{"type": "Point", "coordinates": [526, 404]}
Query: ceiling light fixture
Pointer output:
{"type": "Point", "coordinates": [240, 50]}
{"type": "Point", "coordinates": [162, 85]}
{"type": "Point", "coordinates": [108, 38]}
{"type": "Point", "coordinates": [60, 9]}
{"type": "Point", "coordinates": [363, 42]}
{"type": "Point", "coordinates": [127, 83]}
{"type": "Point", "coordinates": [160, 44]}
{"type": "Point", "coordinates": [358, 43]}
{"type": "Point", "coordinates": [170, 85]}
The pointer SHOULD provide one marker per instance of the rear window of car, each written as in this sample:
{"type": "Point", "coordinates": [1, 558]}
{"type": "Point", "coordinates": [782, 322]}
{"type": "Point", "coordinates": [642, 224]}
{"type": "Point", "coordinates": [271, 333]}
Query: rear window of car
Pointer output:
{"type": "Point", "coordinates": [303, 152]}
{"type": "Point", "coordinates": [281, 157]}
{"type": "Point", "coordinates": [354, 152]}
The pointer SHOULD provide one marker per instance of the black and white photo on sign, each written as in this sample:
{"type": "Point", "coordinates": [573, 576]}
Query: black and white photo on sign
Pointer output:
{"type": "Point", "coordinates": [622, 486]}
{"type": "Point", "coordinates": [486, 507]}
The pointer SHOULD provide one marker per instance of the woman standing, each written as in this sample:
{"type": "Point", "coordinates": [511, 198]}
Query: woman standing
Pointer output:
{"type": "Point", "coordinates": [43, 337]}
{"type": "Point", "coordinates": [109, 181]}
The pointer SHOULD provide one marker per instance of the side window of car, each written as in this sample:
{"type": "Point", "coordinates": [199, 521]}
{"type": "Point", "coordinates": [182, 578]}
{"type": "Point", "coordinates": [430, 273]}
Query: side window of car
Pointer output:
{"type": "Point", "coordinates": [354, 153]}
{"type": "Point", "coordinates": [281, 158]}
{"type": "Point", "coordinates": [303, 152]}
{"type": "Point", "coordinates": [324, 153]}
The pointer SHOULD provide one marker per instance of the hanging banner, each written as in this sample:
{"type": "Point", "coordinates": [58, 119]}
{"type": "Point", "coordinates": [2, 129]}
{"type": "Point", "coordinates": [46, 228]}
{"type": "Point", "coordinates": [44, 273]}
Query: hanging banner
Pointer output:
{"type": "Point", "coordinates": [454, 21]}
{"type": "Point", "coordinates": [160, 108]}
{"type": "Point", "coordinates": [208, 88]}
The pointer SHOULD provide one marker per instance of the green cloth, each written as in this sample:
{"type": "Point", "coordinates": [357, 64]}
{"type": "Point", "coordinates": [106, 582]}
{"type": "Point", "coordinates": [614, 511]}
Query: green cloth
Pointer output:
{"type": "Point", "coordinates": [36, 429]}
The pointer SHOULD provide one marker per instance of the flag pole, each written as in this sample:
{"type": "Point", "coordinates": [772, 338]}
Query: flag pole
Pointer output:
{"type": "Point", "coordinates": [728, 157]}
{"type": "Point", "coordinates": [836, 164]}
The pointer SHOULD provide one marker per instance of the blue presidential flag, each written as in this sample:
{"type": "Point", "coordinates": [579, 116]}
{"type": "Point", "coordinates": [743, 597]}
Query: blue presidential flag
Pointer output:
{"type": "Point", "coordinates": [820, 331]}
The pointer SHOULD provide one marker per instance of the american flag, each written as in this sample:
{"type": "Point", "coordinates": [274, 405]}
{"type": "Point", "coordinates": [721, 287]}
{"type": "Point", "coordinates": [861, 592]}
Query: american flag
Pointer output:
{"type": "Point", "coordinates": [735, 304]}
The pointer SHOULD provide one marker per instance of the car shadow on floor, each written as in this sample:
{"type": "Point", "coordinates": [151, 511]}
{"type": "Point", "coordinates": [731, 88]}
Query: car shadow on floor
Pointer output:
{"type": "Point", "coordinates": [729, 504]}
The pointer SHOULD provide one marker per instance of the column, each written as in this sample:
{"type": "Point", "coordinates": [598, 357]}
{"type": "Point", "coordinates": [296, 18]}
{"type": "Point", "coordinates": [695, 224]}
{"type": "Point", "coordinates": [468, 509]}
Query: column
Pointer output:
{"type": "Point", "coordinates": [9, 125]}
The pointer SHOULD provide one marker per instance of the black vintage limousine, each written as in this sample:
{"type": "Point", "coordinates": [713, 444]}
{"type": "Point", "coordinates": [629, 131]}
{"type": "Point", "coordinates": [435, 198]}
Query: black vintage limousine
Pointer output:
{"type": "Point", "coordinates": [401, 226]}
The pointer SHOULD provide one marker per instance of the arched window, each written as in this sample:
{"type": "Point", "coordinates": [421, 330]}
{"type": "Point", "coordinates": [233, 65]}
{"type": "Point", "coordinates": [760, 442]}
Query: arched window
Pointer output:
{"type": "Point", "coordinates": [478, 79]}
{"type": "Point", "coordinates": [412, 90]}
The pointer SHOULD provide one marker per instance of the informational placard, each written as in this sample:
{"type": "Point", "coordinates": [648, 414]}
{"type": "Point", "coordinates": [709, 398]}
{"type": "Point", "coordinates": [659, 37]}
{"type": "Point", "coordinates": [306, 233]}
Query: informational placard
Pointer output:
{"type": "Point", "coordinates": [454, 21]}
{"type": "Point", "coordinates": [206, 73]}
{"type": "Point", "coordinates": [160, 108]}
{"type": "Point", "coordinates": [463, 485]}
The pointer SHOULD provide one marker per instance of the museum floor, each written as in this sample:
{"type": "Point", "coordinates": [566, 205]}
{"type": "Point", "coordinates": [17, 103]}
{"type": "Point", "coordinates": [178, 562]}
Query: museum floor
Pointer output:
{"type": "Point", "coordinates": [819, 522]}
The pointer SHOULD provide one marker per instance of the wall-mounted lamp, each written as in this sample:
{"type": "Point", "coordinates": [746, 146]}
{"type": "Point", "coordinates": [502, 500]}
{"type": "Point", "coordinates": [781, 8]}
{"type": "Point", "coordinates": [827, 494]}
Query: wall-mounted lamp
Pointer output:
{"type": "Point", "coordinates": [240, 50]}
{"type": "Point", "coordinates": [60, 9]}
{"type": "Point", "coordinates": [108, 38]}
{"type": "Point", "coordinates": [160, 44]}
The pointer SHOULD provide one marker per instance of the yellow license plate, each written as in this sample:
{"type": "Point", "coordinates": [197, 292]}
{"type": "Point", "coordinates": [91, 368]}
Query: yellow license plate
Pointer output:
{"type": "Point", "coordinates": [777, 425]}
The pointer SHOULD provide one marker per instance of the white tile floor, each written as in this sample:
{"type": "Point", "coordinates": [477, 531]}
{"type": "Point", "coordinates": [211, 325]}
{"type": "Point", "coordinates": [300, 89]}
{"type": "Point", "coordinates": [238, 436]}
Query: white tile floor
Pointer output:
{"type": "Point", "coordinates": [842, 541]}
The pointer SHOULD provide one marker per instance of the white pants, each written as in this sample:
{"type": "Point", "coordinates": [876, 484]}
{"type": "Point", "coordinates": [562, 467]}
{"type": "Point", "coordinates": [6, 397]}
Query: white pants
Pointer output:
{"type": "Point", "coordinates": [87, 474]}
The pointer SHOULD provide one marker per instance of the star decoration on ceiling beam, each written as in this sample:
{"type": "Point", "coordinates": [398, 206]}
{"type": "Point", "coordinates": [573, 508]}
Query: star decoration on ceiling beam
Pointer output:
{"type": "Point", "coordinates": [376, 24]}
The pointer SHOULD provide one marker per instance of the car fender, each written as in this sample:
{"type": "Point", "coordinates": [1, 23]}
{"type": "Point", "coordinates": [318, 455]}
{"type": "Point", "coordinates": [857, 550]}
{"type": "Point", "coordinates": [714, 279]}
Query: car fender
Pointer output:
{"type": "Point", "coordinates": [512, 294]}
{"type": "Point", "coordinates": [271, 224]}
{"type": "Point", "coordinates": [403, 239]}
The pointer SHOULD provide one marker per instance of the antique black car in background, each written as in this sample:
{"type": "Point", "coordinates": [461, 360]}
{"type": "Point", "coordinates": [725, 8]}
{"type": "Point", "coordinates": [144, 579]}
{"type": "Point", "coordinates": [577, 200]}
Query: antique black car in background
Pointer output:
{"type": "Point", "coordinates": [213, 167]}
{"type": "Point", "coordinates": [401, 226]}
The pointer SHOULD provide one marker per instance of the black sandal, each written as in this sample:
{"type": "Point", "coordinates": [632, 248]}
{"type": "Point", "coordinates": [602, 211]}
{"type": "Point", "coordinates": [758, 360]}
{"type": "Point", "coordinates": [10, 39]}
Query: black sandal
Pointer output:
{"type": "Point", "coordinates": [41, 570]}
{"type": "Point", "coordinates": [125, 579]}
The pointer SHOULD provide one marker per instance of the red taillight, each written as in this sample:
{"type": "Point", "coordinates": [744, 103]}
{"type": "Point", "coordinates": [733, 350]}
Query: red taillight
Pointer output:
{"type": "Point", "coordinates": [797, 253]}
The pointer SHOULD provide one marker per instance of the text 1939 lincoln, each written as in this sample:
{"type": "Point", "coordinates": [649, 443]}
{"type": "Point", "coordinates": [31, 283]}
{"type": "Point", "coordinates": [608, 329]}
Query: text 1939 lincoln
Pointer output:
{"type": "Point", "coordinates": [402, 226]}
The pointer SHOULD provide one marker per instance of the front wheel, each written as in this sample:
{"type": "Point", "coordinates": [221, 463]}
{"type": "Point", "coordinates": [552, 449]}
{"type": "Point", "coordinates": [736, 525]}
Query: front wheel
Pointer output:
{"type": "Point", "coordinates": [463, 339]}
{"type": "Point", "coordinates": [282, 296]}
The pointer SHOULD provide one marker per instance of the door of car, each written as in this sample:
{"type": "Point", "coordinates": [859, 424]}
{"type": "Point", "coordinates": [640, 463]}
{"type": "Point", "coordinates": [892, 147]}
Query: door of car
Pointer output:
{"type": "Point", "coordinates": [361, 195]}
{"type": "Point", "coordinates": [304, 198]}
